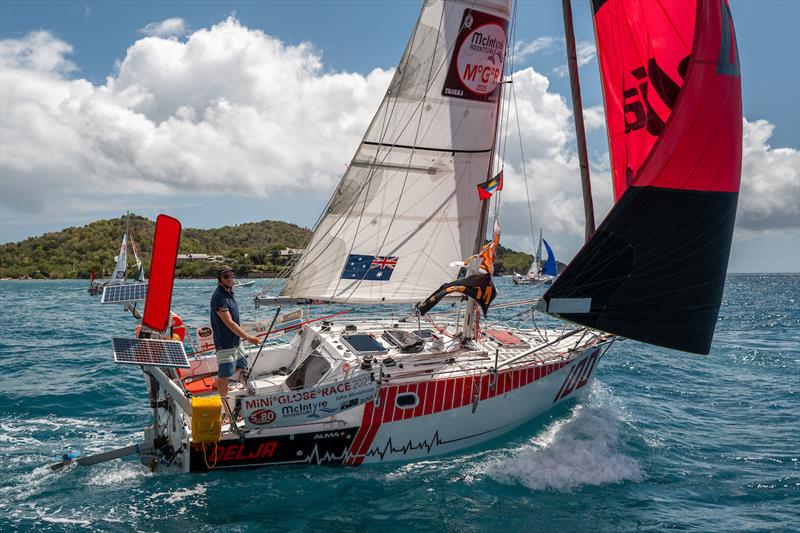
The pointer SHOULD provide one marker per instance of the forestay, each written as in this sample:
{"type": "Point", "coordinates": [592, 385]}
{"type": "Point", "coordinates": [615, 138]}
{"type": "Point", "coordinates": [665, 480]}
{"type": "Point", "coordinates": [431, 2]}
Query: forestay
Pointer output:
{"type": "Point", "coordinates": [406, 206]}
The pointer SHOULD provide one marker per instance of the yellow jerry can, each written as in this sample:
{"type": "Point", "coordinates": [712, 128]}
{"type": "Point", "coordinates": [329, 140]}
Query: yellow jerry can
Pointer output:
{"type": "Point", "coordinates": [206, 419]}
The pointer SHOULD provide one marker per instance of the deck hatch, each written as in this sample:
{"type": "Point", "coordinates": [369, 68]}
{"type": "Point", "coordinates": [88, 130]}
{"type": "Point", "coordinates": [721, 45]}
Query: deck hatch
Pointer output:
{"type": "Point", "coordinates": [363, 344]}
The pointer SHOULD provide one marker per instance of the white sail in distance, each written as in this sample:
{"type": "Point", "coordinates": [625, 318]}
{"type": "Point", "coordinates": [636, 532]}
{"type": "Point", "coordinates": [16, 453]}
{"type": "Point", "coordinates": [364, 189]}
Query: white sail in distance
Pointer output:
{"type": "Point", "coordinates": [139, 269]}
{"type": "Point", "coordinates": [536, 266]}
{"type": "Point", "coordinates": [407, 206]}
{"type": "Point", "coordinates": [122, 262]}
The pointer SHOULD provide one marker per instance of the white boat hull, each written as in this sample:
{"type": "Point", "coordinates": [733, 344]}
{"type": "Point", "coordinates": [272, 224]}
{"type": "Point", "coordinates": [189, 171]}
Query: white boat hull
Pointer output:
{"type": "Point", "coordinates": [450, 415]}
{"type": "Point", "coordinates": [457, 413]}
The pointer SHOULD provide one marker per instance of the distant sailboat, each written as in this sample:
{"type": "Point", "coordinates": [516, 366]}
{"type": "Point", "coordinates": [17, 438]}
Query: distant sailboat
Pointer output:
{"type": "Point", "coordinates": [541, 272]}
{"type": "Point", "coordinates": [120, 274]}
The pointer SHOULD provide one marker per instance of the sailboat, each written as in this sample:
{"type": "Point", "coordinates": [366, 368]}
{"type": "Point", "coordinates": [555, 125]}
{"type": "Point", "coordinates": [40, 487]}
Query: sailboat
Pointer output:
{"type": "Point", "coordinates": [541, 272]}
{"type": "Point", "coordinates": [346, 389]}
{"type": "Point", "coordinates": [120, 274]}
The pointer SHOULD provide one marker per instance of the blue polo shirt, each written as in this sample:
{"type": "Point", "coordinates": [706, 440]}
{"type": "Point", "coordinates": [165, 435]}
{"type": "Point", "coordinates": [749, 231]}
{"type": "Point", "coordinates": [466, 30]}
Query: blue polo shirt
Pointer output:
{"type": "Point", "coordinates": [224, 337]}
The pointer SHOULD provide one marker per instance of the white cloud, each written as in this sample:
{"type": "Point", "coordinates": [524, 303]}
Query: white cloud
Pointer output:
{"type": "Point", "coordinates": [594, 118]}
{"type": "Point", "coordinates": [229, 111]}
{"type": "Point", "coordinates": [541, 44]}
{"type": "Point", "coordinates": [585, 52]}
{"type": "Point", "coordinates": [38, 52]}
{"type": "Point", "coordinates": [171, 27]}
{"type": "Point", "coordinates": [770, 192]}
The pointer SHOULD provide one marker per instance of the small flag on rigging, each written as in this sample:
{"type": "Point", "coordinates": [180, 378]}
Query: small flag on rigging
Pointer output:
{"type": "Point", "coordinates": [486, 188]}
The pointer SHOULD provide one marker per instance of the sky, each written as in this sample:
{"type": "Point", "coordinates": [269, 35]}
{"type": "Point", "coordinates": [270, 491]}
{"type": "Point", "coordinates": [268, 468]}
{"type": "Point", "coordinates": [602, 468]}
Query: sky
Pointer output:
{"type": "Point", "coordinates": [222, 113]}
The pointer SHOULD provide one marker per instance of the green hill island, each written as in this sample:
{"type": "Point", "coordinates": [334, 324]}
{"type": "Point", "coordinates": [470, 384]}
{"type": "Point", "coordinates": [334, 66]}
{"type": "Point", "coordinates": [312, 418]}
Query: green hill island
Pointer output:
{"type": "Point", "coordinates": [254, 249]}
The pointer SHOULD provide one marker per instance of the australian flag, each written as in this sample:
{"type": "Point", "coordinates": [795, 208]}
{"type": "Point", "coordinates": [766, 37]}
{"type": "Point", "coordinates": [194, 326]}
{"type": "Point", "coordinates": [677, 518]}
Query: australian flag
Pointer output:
{"type": "Point", "coordinates": [369, 267]}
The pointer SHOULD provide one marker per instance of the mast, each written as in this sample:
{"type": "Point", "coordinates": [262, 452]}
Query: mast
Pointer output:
{"type": "Point", "coordinates": [471, 307]}
{"type": "Point", "coordinates": [577, 110]}
{"type": "Point", "coordinates": [469, 314]}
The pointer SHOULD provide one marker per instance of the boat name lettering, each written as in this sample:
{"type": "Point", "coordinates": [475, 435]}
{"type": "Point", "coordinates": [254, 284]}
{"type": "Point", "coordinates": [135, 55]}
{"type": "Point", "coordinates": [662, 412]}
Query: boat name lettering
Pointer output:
{"type": "Point", "coordinates": [242, 452]}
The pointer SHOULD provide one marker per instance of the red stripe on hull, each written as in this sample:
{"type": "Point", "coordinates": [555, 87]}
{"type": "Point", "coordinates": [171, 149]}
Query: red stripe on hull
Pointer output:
{"type": "Point", "coordinates": [466, 395]}
{"type": "Point", "coordinates": [422, 393]}
{"type": "Point", "coordinates": [391, 394]}
{"type": "Point", "coordinates": [437, 396]}
{"type": "Point", "coordinates": [448, 395]}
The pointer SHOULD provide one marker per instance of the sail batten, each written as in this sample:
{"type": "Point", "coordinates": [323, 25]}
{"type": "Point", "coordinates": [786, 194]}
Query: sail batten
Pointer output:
{"type": "Point", "coordinates": [406, 206]}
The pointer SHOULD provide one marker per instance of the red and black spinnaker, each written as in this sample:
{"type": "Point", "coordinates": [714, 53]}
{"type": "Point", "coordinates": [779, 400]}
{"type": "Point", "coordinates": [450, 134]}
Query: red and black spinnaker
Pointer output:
{"type": "Point", "coordinates": [655, 268]}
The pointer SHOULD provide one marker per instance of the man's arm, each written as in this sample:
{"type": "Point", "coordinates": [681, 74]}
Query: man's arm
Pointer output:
{"type": "Point", "coordinates": [225, 316]}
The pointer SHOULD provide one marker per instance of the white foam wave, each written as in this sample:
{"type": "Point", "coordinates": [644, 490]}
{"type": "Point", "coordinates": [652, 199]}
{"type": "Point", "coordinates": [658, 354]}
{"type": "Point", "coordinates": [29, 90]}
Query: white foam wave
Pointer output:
{"type": "Point", "coordinates": [585, 449]}
{"type": "Point", "coordinates": [33, 513]}
{"type": "Point", "coordinates": [28, 484]}
{"type": "Point", "coordinates": [178, 495]}
{"type": "Point", "coordinates": [116, 474]}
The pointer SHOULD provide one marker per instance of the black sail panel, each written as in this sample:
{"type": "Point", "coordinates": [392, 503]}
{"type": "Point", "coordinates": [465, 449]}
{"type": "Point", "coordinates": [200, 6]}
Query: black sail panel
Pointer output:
{"type": "Point", "coordinates": [658, 280]}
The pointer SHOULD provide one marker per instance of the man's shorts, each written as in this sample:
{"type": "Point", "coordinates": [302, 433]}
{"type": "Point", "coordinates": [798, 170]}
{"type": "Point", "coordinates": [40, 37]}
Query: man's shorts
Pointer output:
{"type": "Point", "coordinates": [229, 360]}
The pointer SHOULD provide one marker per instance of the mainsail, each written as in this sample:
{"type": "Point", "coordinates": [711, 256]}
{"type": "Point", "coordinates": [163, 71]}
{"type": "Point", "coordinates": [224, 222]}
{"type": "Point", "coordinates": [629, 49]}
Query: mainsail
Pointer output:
{"type": "Point", "coordinates": [655, 268]}
{"type": "Point", "coordinates": [406, 207]}
{"type": "Point", "coordinates": [122, 262]}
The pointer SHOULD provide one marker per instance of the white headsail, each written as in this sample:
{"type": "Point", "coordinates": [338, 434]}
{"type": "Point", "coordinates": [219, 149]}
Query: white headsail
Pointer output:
{"type": "Point", "coordinates": [407, 206]}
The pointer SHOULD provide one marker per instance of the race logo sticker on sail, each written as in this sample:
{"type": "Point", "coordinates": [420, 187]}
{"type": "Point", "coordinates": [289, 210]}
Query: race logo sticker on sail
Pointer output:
{"type": "Point", "coordinates": [476, 67]}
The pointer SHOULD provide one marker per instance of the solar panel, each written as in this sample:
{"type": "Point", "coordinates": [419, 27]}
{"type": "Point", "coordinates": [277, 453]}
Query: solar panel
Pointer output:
{"type": "Point", "coordinates": [133, 351]}
{"type": "Point", "coordinates": [126, 292]}
{"type": "Point", "coordinates": [361, 343]}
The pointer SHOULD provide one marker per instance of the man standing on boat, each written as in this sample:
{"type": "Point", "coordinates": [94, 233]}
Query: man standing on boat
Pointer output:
{"type": "Point", "coordinates": [231, 358]}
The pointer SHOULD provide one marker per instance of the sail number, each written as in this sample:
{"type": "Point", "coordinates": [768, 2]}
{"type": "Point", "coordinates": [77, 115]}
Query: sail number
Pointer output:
{"type": "Point", "coordinates": [637, 107]}
{"type": "Point", "coordinates": [578, 376]}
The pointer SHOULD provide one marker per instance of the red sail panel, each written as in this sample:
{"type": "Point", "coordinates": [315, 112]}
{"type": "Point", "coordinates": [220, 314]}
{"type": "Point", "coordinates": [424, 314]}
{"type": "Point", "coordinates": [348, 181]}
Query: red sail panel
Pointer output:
{"type": "Point", "coordinates": [644, 51]}
{"type": "Point", "coordinates": [701, 149]}
{"type": "Point", "coordinates": [655, 268]}
{"type": "Point", "coordinates": [642, 48]}
{"type": "Point", "coordinates": [162, 273]}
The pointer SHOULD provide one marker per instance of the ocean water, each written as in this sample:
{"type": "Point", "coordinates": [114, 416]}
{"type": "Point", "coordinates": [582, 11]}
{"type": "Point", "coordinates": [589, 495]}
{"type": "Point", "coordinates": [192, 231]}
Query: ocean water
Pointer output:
{"type": "Point", "coordinates": [662, 440]}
